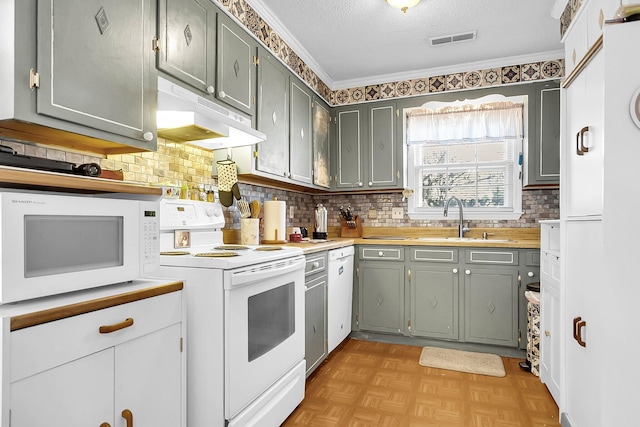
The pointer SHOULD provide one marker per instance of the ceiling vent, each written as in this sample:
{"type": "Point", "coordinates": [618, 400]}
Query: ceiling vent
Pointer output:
{"type": "Point", "coordinates": [453, 38]}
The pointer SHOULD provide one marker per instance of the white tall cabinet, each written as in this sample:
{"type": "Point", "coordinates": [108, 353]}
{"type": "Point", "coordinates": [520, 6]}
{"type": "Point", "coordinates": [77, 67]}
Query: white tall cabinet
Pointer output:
{"type": "Point", "coordinates": [600, 146]}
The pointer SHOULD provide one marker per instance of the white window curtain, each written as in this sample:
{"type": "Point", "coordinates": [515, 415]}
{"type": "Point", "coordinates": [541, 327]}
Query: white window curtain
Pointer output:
{"type": "Point", "coordinates": [493, 120]}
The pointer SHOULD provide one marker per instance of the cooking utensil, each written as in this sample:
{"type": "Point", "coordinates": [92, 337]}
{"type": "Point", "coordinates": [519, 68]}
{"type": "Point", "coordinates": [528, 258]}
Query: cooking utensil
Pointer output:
{"type": "Point", "coordinates": [255, 208]}
{"type": "Point", "coordinates": [243, 206]}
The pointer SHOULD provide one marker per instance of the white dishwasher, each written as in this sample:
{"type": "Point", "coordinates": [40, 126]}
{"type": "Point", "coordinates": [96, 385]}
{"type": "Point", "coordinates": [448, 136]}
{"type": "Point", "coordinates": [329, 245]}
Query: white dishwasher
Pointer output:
{"type": "Point", "coordinates": [339, 295]}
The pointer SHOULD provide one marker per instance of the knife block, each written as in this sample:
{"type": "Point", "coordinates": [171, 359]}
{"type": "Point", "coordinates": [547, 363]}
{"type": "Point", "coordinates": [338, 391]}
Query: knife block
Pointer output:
{"type": "Point", "coordinates": [351, 228]}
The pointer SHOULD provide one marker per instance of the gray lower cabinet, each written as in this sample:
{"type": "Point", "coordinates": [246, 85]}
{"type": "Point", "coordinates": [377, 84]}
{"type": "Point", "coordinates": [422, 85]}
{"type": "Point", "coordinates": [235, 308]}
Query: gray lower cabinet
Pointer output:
{"type": "Point", "coordinates": [491, 290]}
{"type": "Point", "coordinates": [236, 66]}
{"type": "Point", "coordinates": [459, 294]}
{"type": "Point", "coordinates": [315, 310]}
{"type": "Point", "coordinates": [187, 43]}
{"type": "Point", "coordinates": [92, 74]}
{"type": "Point", "coordinates": [381, 289]}
{"type": "Point", "coordinates": [434, 283]}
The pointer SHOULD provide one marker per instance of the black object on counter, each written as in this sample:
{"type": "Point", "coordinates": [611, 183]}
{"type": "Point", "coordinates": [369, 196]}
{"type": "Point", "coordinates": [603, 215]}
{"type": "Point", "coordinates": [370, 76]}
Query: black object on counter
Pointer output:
{"type": "Point", "coordinates": [8, 157]}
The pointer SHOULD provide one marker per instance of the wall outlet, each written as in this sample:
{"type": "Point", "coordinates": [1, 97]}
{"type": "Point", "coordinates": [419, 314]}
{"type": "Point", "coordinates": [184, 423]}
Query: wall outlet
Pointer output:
{"type": "Point", "coordinates": [397, 213]}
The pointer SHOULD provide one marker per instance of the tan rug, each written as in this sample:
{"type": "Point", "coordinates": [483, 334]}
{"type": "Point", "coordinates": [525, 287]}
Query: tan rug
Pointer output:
{"type": "Point", "coordinates": [463, 361]}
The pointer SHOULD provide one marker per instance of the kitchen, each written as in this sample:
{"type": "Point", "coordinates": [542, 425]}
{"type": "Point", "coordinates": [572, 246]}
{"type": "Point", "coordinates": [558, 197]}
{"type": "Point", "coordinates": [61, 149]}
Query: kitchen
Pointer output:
{"type": "Point", "coordinates": [176, 164]}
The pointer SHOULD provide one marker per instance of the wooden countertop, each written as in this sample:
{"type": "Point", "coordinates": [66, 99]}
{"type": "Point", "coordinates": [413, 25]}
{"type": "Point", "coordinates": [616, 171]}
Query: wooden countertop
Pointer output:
{"type": "Point", "coordinates": [11, 177]}
{"type": "Point", "coordinates": [515, 238]}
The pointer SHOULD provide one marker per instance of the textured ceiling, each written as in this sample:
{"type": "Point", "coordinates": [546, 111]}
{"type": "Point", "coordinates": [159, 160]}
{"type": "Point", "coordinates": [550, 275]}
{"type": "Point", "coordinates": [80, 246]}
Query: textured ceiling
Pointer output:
{"type": "Point", "coordinates": [357, 42]}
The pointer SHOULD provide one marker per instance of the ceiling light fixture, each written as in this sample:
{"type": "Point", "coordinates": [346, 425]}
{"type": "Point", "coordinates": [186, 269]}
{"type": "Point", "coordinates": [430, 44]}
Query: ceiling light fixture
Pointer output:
{"type": "Point", "coordinates": [403, 5]}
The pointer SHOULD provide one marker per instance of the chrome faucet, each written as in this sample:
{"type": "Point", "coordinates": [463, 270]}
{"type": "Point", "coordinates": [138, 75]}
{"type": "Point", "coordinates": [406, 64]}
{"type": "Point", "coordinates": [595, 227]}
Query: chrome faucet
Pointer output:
{"type": "Point", "coordinates": [461, 228]}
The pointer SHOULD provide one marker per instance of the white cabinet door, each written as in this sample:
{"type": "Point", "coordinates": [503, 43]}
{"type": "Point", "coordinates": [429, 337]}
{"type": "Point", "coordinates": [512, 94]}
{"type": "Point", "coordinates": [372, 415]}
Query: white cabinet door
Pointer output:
{"type": "Point", "coordinates": [550, 324]}
{"type": "Point", "coordinates": [584, 142]}
{"type": "Point", "coordinates": [148, 378]}
{"type": "Point", "coordinates": [76, 394]}
{"type": "Point", "coordinates": [581, 272]}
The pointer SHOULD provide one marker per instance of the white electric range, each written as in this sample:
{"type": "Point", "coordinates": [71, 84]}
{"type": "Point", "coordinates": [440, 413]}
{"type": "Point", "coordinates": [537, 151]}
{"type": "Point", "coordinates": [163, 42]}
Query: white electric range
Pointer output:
{"type": "Point", "coordinates": [245, 323]}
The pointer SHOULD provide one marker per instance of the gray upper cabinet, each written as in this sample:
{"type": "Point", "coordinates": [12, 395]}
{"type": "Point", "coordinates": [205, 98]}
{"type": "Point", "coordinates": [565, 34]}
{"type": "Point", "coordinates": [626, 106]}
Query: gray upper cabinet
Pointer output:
{"type": "Point", "coordinates": [92, 74]}
{"type": "Point", "coordinates": [300, 134]}
{"type": "Point", "coordinates": [351, 134]}
{"type": "Point", "coordinates": [543, 165]}
{"type": "Point", "coordinates": [237, 58]}
{"type": "Point", "coordinates": [187, 42]}
{"type": "Point", "coordinates": [273, 115]}
{"type": "Point", "coordinates": [384, 147]}
{"type": "Point", "coordinates": [321, 144]}
{"type": "Point", "coordinates": [368, 151]}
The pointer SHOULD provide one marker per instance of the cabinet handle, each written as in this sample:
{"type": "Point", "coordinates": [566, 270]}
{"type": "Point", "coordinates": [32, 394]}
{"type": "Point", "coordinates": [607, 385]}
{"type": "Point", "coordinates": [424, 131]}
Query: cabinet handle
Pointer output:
{"type": "Point", "coordinates": [360, 184]}
{"type": "Point", "coordinates": [105, 425]}
{"type": "Point", "coordinates": [221, 94]}
{"type": "Point", "coordinates": [107, 329]}
{"type": "Point", "coordinates": [380, 253]}
{"type": "Point", "coordinates": [370, 184]}
{"type": "Point", "coordinates": [530, 274]}
{"type": "Point", "coordinates": [147, 136]}
{"type": "Point", "coordinates": [580, 147]}
{"type": "Point", "coordinates": [210, 89]}
{"type": "Point", "coordinates": [467, 272]}
{"type": "Point", "coordinates": [455, 271]}
{"type": "Point", "coordinates": [128, 416]}
{"type": "Point", "coordinates": [578, 324]}
{"type": "Point", "coordinates": [316, 264]}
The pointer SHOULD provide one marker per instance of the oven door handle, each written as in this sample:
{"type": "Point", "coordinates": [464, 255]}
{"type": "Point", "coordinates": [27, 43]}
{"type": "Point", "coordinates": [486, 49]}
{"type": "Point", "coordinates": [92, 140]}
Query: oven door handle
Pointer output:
{"type": "Point", "coordinates": [251, 276]}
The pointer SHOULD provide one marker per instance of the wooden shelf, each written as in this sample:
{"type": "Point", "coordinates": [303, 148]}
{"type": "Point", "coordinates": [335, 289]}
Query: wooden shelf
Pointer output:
{"type": "Point", "coordinates": [11, 177]}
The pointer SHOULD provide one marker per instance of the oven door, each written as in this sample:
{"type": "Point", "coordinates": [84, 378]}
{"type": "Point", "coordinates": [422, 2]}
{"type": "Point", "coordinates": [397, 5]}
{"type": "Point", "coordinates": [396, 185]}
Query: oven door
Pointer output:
{"type": "Point", "coordinates": [264, 328]}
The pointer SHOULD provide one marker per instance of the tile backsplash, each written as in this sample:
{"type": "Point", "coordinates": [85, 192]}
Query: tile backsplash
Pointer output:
{"type": "Point", "coordinates": [177, 163]}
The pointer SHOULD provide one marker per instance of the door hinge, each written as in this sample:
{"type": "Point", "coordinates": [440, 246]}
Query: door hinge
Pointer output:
{"type": "Point", "coordinates": [255, 153]}
{"type": "Point", "coordinates": [256, 61]}
{"type": "Point", "coordinates": [155, 44]}
{"type": "Point", "coordinates": [358, 272]}
{"type": "Point", "coordinates": [34, 79]}
{"type": "Point", "coordinates": [181, 345]}
{"type": "Point", "coordinates": [397, 112]}
{"type": "Point", "coordinates": [409, 274]}
{"type": "Point", "coordinates": [357, 318]}
{"type": "Point", "coordinates": [409, 325]}
{"type": "Point", "coordinates": [519, 336]}
{"type": "Point", "coordinates": [253, 100]}
{"type": "Point", "coordinates": [519, 280]}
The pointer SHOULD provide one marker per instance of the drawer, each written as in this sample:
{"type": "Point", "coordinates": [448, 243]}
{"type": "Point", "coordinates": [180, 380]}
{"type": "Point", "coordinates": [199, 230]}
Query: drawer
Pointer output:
{"type": "Point", "coordinates": [490, 256]}
{"type": "Point", "coordinates": [531, 258]}
{"type": "Point", "coordinates": [440, 255]}
{"type": "Point", "coordinates": [386, 253]}
{"type": "Point", "coordinates": [315, 263]}
{"type": "Point", "coordinates": [47, 345]}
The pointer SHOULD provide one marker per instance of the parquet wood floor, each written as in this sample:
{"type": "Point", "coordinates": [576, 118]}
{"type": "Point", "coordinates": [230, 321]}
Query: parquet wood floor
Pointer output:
{"type": "Point", "coordinates": [364, 384]}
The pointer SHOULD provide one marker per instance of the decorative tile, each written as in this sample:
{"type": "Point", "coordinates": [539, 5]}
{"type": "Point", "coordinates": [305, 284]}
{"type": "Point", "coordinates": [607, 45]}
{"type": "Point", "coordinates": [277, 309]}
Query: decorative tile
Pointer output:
{"type": "Point", "coordinates": [530, 71]}
{"type": "Point", "coordinates": [342, 97]}
{"type": "Point", "coordinates": [237, 9]}
{"type": "Point", "coordinates": [292, 60]}
{"type": "Point", "coordinates": [552, 69]}
{"type": "Point", "coordinates": [511, 74]}
{"type": "Point", "coordinates": [265, 32]}
{"type": "Point", "coordinates": [420, 86]}
{"type": "Point", "coordinates": [252, 21]}
{"type": "Point", "coordinates": [372, 92]}
{"type": "Point", "coordinates": [454, 81]}
{"type": "Point", "coordinates": [357, 94]}
{"type": "Point", "coordinates": [275, 43]}
{"type": "Point", "coordinates": [437, 84]}
{"type": "Point", "coordinates": [491, 77]}
{"type": "Point", "coordinates": [403, 88]}
{"type": "Point", "coordinates": [472, 79]}
{"type": "Point", "coordinates": [387, 90]}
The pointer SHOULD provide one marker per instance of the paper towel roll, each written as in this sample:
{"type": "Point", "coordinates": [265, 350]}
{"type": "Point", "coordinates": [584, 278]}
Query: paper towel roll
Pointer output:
{"type": "Point", "coordinates": [250, 231]}
{"type": "Point", "coordinates": [275, 220]}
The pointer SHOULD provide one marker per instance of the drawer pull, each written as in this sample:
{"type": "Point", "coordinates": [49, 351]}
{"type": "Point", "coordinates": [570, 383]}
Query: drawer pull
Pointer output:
{"type": "Point", "coordinates": [117, 326]}
{"type": "Point", "coordinates": [128, 416]}
{"type": "Point", "coordinates": [105, 425]}
{"type": "Point", "coordinates": [578, 324]}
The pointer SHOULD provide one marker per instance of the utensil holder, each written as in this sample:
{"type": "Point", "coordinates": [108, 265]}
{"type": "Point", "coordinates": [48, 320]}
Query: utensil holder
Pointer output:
{"type": "Point", "coordinates": [351, 228]}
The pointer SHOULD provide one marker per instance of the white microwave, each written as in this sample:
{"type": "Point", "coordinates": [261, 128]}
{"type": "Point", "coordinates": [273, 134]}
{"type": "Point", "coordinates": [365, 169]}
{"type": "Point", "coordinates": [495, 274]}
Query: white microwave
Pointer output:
{"type": "Point", "coordinates": [52, 243]}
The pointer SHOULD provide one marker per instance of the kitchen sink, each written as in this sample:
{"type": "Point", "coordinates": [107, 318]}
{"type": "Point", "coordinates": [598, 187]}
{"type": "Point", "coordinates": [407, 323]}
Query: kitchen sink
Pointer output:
{"type": "Point", "coordinates": [458, 239]}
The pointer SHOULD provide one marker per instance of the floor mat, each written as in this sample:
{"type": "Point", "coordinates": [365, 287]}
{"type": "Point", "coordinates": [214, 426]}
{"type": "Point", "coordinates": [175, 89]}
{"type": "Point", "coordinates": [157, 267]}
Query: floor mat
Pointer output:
{"type": "Point", "coordinates": [463, 361]}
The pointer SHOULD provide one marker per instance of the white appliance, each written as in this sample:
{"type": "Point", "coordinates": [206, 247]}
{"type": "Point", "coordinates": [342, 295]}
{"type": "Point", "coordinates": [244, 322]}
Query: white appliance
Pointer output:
{"type": "Point", "coordinates": [53, 243]}
{"type": "Point", "coordinates": [246, 319]}
{"type": "Point", "coordinates": [339, 295]}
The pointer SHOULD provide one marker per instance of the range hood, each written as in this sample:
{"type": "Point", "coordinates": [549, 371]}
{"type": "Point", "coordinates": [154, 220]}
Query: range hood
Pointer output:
{"type": "Point", "coordinates": [186, 117]}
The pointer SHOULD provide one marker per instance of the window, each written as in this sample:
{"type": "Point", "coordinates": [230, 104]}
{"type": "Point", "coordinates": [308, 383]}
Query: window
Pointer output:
{"type": "Point", "coordinates": [471, 150]}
